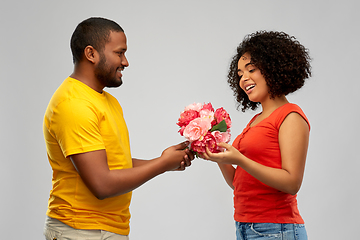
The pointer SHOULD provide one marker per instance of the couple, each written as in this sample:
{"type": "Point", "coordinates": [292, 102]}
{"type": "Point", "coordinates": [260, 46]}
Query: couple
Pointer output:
{"type": "Point", "coordinates": [88, 146]}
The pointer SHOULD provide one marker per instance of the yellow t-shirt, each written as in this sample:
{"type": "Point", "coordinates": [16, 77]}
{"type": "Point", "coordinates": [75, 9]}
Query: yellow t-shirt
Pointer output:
{"type": "Point", "coordinates": [78, 119]}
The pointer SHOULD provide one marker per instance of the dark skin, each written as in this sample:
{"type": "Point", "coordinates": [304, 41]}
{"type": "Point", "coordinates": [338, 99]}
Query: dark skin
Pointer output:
{"type": "Point", "coordinates": [92, 166]}
{"type": "Point", "coordinates": [104, 183]}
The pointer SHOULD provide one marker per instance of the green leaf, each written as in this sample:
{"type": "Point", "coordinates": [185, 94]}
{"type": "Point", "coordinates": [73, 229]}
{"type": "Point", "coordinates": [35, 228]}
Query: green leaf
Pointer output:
{"type": "Point", "coordinates": [221, 126]}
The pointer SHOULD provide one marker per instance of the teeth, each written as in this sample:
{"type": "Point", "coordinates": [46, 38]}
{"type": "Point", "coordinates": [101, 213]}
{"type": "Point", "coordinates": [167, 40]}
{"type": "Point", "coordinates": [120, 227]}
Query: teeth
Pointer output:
{"type": "Point", "coordinates": [250, 86]}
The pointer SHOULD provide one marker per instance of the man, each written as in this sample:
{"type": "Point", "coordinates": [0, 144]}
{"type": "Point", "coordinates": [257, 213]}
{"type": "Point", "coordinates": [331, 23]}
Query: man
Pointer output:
{"type": "Point", "coordinates": [88, 144]}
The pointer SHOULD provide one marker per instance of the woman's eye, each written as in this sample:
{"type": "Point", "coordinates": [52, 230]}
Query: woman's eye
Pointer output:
{"type": "Point", "coordinates": [252, 70]}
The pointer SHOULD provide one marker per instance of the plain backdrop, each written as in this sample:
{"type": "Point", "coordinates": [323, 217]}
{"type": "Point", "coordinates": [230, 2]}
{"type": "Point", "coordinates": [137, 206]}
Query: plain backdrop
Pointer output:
{"type": "Point", "coordinates": [179, 53]}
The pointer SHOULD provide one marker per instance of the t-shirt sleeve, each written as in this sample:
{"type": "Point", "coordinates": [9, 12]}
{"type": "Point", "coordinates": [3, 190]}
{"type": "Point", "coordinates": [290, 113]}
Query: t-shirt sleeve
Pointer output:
{"type": "Point", "coordinates": [290, 108]}
{"type": "Point", "coordinates": [75, 125]}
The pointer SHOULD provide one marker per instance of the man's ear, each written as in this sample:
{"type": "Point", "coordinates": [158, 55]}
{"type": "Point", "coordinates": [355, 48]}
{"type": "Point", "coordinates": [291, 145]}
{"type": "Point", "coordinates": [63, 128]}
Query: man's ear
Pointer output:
{"type": "Point", "coordinates": [91, 54]}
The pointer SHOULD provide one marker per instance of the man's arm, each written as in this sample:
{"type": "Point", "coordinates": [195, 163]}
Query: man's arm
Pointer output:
{"type": "Point", "coordinates": [185, 163]}
{"type": "Point", "coordinates": [103, 182]}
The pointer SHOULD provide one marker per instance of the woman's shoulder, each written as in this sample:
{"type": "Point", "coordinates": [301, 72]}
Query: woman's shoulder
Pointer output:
{"type": "Point", "coordinates": [288, 108]}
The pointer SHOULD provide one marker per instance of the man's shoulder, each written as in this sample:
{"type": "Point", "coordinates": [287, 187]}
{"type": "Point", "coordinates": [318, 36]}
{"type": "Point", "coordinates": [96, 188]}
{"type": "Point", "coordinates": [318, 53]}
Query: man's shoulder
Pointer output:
{"type": "Point", "coordinates": [74, 90]}
{"type": "Point", "coordinates": [69, 96]}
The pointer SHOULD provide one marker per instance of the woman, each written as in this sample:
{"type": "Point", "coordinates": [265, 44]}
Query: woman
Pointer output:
{"type": "Point", "coordinates": [271, 151]}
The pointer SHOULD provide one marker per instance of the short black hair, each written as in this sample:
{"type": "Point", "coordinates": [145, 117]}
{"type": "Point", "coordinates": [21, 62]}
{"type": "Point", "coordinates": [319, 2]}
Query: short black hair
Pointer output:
{"type": "Point", "coordinates": [282, 60]}
{"type": "Point", "coordinates": [93, 31]}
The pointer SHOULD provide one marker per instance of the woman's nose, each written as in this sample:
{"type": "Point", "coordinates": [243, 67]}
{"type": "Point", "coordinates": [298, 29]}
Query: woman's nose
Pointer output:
{"type": "Point", "coordinates": [243, 79]}
{"type": "Point", "coordinates": [245, 76]}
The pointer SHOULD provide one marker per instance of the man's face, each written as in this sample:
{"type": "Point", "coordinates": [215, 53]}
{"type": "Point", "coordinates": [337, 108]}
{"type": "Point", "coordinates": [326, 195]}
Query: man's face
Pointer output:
{"type": "Point", "coordinates": [112, 61]}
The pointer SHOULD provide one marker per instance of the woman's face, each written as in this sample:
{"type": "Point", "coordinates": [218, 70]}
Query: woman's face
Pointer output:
{"type": "Point", "coordinates": [251, 80]}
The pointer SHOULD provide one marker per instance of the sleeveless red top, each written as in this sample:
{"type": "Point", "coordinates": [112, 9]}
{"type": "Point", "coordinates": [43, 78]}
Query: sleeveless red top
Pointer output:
{"type": "Point", "coordinates": [253, 200]}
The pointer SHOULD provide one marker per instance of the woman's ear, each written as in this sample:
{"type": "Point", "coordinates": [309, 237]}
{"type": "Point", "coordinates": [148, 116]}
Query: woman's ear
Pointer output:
{"type": "Point", "coordinates": [91, 54]}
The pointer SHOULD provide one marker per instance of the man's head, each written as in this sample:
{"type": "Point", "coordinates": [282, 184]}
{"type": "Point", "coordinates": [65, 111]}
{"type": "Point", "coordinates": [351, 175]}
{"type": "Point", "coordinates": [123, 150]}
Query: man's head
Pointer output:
{"type": "Point", "coordinates": [95, 32]}
{"type": "Point", "coordinates": [102, 43]}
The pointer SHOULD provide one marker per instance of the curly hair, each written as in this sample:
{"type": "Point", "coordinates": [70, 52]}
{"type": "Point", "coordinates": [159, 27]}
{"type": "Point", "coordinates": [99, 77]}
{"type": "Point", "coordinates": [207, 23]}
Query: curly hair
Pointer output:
{"type": "Point", "coordinates": [281, 59]}
{"type": "Point", "coordinates": [94, 31]}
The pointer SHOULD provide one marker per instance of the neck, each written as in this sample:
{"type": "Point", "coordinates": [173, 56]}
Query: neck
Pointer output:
{"type": "Point", "coordinates": [271, 104]}
{"type": "Point", "coordinates": [86, 76]}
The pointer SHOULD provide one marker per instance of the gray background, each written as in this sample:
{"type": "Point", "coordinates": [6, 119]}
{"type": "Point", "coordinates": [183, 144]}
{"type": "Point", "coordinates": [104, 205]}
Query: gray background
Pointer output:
{"type": "Point", "coordinates": [179, 52]}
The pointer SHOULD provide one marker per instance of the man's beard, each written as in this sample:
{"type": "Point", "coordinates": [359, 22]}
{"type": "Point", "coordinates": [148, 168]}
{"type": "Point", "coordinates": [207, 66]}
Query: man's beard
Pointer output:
{"type": "Point", "coordinates": [106, 75]}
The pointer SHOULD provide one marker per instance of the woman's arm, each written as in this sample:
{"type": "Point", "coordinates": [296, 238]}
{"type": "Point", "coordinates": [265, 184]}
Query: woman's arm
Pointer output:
{"type": "Point", "coordinates": [228, 171]}
{"type": "Point", "coordinates": [293, 141]}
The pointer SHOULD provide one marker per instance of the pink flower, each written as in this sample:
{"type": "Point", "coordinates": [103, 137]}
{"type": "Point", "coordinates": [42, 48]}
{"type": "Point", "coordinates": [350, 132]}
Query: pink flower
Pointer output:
{"type": "Point", "coordinates": [220, 114]}
{"type": "Point", "coordinates": [195, 106]}
{"type": "Point", "coordinates": [181, 131]}
{"type": "Point", "coordinates": [222, 136]}
{"type": "Point", "coordinates": [205, 113]}
{"type": "Point", "coordinates": [208, 141]}
{"type": "Point", "coordinates": [186, 117]}
{"type": "Point", "coordinates": [204, 127]}
{"type": "Point", "coordinates": [208, 106]}
{"type": "Point", "coordinates": [196, 129]}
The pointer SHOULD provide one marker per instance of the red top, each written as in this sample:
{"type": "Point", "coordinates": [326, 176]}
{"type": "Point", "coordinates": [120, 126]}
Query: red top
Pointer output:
{"type": "Point", "coordinates": [253, 200]}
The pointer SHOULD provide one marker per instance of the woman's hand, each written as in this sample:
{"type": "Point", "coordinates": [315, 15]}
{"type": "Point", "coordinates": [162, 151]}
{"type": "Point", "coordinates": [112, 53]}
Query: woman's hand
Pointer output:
{"type": "Point", "coordinates": [230, 156]}
{"type": "Point", "coordinates": [293, 150]}
{"type": "Point", "coordinates": [225, 161]}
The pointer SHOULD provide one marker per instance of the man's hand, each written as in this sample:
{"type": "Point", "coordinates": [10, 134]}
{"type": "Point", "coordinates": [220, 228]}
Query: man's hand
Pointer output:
{"type": "Point", "coordinates": [187, 160]}
{"type": "Point", "coordinates": [177, 157]}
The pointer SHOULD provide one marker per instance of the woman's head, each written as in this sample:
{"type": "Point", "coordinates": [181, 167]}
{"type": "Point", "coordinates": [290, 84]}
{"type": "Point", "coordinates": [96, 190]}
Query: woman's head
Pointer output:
{"type": "Point", "coordinates": [282, 60]}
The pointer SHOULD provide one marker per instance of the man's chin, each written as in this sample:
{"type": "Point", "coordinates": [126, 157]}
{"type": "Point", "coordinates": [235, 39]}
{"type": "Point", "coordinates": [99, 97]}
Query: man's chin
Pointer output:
{"type": "Point", "coordinates": [114, 84]}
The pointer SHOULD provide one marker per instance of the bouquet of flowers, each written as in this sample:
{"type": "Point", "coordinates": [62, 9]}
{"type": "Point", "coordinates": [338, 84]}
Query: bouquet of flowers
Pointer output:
{"type": "Point", "coordinates": [204, 127]}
